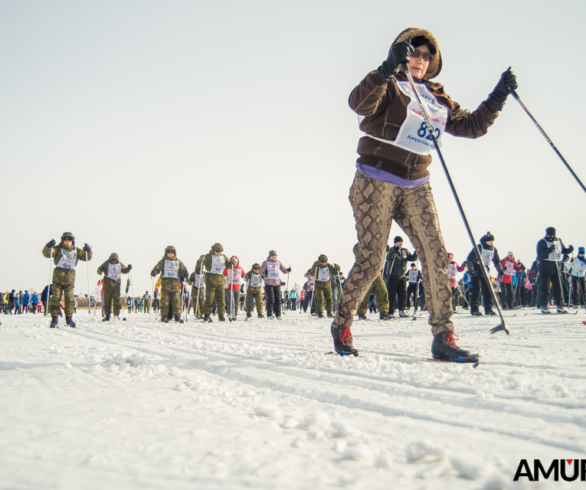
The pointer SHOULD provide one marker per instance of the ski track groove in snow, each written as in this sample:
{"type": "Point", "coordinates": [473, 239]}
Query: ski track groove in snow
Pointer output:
{"type": "Point", "coordinates": [528, 400]}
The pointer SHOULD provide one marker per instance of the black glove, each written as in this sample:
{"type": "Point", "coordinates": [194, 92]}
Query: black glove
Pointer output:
{"type": "Point", "coordinates": [87, 248]}
{"type": "Point", "coordinates": [551, 249]}
{"type": "Point", "coordinates": [399, 53]}
{"type": "Point", "coordinates": [288, 269]}
{"type": "Point", "coordinates": [129, 267]}
{"type": "Point", "coordinates": [153, 273]}
{"type": "Point", "coordinates": [496, 100]}
{"type": "Point", "coordinates": [51, 244]}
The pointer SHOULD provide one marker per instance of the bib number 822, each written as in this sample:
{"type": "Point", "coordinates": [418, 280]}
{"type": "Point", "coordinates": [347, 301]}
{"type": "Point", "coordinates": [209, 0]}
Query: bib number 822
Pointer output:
{"type": "Point", "coordinates": [423, 133]}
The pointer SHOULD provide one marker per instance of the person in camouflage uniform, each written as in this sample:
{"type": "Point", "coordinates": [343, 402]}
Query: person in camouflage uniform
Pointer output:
{"type": "Point", "coordinates": [379, 289]}
{"type": "Point", "coordinates": [254, 291]}
{"type": "Point", "coordinates": [197, 281]}
{"type": "Point", "coordinates": [214, 263]}
{"type": "Point", "coordinates": [172, 272]}
{"type": "Point", "coordinates": [147, 302]}
{"type": "Point", "coordinates": [323, 271]}
{"type": "Point", "coordinates": [112, 270]}
{"type": "Point", "coordinates": [65, 257]}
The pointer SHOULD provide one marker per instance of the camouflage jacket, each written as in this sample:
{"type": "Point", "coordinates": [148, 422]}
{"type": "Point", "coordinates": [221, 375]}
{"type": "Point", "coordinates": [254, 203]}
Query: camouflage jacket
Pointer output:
{"type": "Point", "coordinates": [168, 280]}
{"type": "Point", "coordinates": [103, 269]}
{"type": "Point", "coordinates": [207, 262]}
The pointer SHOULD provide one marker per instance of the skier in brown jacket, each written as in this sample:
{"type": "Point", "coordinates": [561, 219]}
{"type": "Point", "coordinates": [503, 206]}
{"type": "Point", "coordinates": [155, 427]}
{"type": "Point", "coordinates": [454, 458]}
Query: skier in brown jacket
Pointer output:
{"type": "Point", "coordinates": [392, 181]}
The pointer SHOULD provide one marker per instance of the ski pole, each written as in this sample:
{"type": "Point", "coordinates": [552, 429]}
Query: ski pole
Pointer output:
{"type": "Point", "coordinates": [50, 281]}
{"type": "Point", "coordinates": [87, 270]}
{"type": "Point", "coordinates": [517, 98]}
{"type": "Point", "coordinates": [503, 325]}
{"type": "Point", "coordinates": [153, 293]}
{"type": "Point", "coordinates": [132, 287]}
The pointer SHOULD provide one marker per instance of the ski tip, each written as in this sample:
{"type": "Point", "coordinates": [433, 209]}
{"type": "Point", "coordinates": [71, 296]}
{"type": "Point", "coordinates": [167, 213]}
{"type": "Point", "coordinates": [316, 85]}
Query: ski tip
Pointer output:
{"type": "Point", "coordinates": [499, 328]}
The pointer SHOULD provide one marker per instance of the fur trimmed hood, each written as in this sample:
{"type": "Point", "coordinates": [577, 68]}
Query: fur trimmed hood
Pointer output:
{"type": "Point", "coordinates": [435, 65]}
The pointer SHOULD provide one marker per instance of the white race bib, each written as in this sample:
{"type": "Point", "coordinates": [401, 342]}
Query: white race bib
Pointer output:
{"type": "Point", "coordinates": [487, 256]}
{"type": "Point", "coordinates": [218, 264]}
{"type": "Point", "coordinates": [255, 280]}
{"type": "Point", "coordinates": [67, 260]}
{"type": "Point", "coordinates": [413, 135]}
{"type": "Point", "coordinates": [580, 266]}
{"type": "Point", "coordinates": [114, 272]}
{"type": "Point", "coordinates": [323, 274]}
{"type": "Point", "coordinates": [171, 269]}
{"type": "Point", "coordinates": [453, 271]}
{"type": "Point", "coordinates": [413, 276]}
{"type": "Point", "coordinates": [234, 276]}
{"type": "Point", "coordinates": [509, 268]}
{"type": "Point", "coordinates": [273, 270]}
{"type": "Point", "coordinates": [198, 280]}
{"type": "Point", "coordinates": [311, 283]}
{"type": "Point", "coordinates": [556, 255]}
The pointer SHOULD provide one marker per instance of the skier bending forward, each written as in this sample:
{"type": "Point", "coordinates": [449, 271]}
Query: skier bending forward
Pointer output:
{"type": "Point", "coordinates": [392, 181]}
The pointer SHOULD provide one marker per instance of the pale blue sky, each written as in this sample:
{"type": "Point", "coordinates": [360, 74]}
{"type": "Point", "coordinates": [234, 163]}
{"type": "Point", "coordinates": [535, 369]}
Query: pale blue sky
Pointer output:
{"type": "Point", "coordinates": [139, 124]}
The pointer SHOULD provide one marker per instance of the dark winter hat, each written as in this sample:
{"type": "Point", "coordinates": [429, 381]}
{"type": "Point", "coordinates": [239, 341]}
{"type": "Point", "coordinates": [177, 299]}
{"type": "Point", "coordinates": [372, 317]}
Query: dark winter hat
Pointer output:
{"type": "Point", "coordinates": [323, 258]}
{"type": "Point", "coordinates": [581, 250]}
{"type": "Point", "coordinates": [170, 248]}
{"type": "Point", "coordinates": [67, 235]}
{"type": "Point", "coordinates": [113, 257]}
{"type": "Point", "coordinates": [255, 266]}
{"type": "Point", "coordinates": [489, 237]}
{"type": "Point", "coordinates": [413, 264]}
{"type": "Point", "coordinates": [398, 239]}
{"type": "Point", "coordinates": [550, 231]}
{"type": "Point", "coordinates": [217, 247]}
{"type": "Point", "coordinates": [272, 253]}
{"type": "Point", "coordinates": [422, 41]}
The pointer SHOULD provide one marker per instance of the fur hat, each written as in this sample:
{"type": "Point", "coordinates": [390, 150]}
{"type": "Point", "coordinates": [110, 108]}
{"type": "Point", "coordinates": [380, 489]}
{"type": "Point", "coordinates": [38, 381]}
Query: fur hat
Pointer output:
{"type": "Point", "coordinates": [217, 247]}
{"type": "Point", "coordinates": [398, 239]}
{"type": "Point", "coordinates": [256, 266]}
{"type": "Point", "coordinates": [323, 258]}
{"type": "Point", "coordinates": [170, 248]}
{"type": "Point", "coordinates": [272, 253]}
{"type": "Point", "coordinates": [113, 256]}
{"type": "Point", "coordinates": [489, 237]}
{"type": "Point", "coordinates": [67, 235]}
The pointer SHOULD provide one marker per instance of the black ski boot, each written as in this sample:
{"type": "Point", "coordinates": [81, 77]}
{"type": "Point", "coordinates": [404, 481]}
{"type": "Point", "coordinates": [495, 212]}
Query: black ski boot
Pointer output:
{"type": "Point", "coordinates": [260, 315]}
{"type": "Point", "coordinates": [106, 318]}
{"type": "Point", "coordinates": [444, 347]}
{"type": "Point", "coordinates": [384, 316]}
{"type": "Point", "coordinates": [70, 321]}
{"type": "Point", "coordinates": [54, 322]}
{"type": "Point", "coordinates": [475, 313]}
{"type": "Point", "coordinates": [344, 347]}
{"type": "Point", "coordinates": [562, 310]}
{"type": "Point", "coordinates": [165, 319]}
{"type": "Point", "coordinates": [248, 315]}
{"type": "Point", "coordinates": [178, 319]}
{"type": "Point", "coordinates": [489, 312]}
{"type": "Point", "coordinates": [207, 319]}
{"type": "Point", "coordinates": [221, 318]}
{"type": "Point", "coordinates": [330, 315]}
{"type": "Point", "coordinates": [362, 317]}
{"type": "Point", "coordinates": [320, 314]}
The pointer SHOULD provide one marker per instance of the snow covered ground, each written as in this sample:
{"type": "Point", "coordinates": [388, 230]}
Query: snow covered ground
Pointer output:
{"type": "Point", "coordinates": [257, 404]}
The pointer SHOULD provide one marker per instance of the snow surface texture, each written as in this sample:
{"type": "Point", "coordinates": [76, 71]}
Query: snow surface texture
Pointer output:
{"type": "Point", "coordinates": [257, 404]}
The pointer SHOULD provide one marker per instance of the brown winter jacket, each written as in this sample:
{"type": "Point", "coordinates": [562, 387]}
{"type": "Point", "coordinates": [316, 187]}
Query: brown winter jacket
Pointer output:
{"type": "Point", "coordinates": [384, 108]}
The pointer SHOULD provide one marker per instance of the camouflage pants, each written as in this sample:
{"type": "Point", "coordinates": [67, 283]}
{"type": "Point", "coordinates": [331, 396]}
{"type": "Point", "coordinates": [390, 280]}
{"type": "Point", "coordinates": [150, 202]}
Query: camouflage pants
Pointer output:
{"type": "Point", "coordinates": [170, 301]}
{"type": "Point", "coordinates": [215, 290]}
{"type": "Point", "coordinates": [379, 289]}
{"type": "Point", "coordinates": [323, 290]}
{"type": "Point", "coordinates": [254, 294]}
{"type": "Point", "coordinates": [375, 205]}
{"type": "Point", "coordinates": [112, 295]}
{"type": "Point", "coordinates": [195, 293]}
{"type": "Point", "coordinates": [61, 288]}
{"type": "Point", "coordinates": [147, 305]}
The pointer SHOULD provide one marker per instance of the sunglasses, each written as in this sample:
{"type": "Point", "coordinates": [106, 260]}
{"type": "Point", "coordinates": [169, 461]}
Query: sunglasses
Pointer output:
{"type": "Point", "coordinates": [425, 55]}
